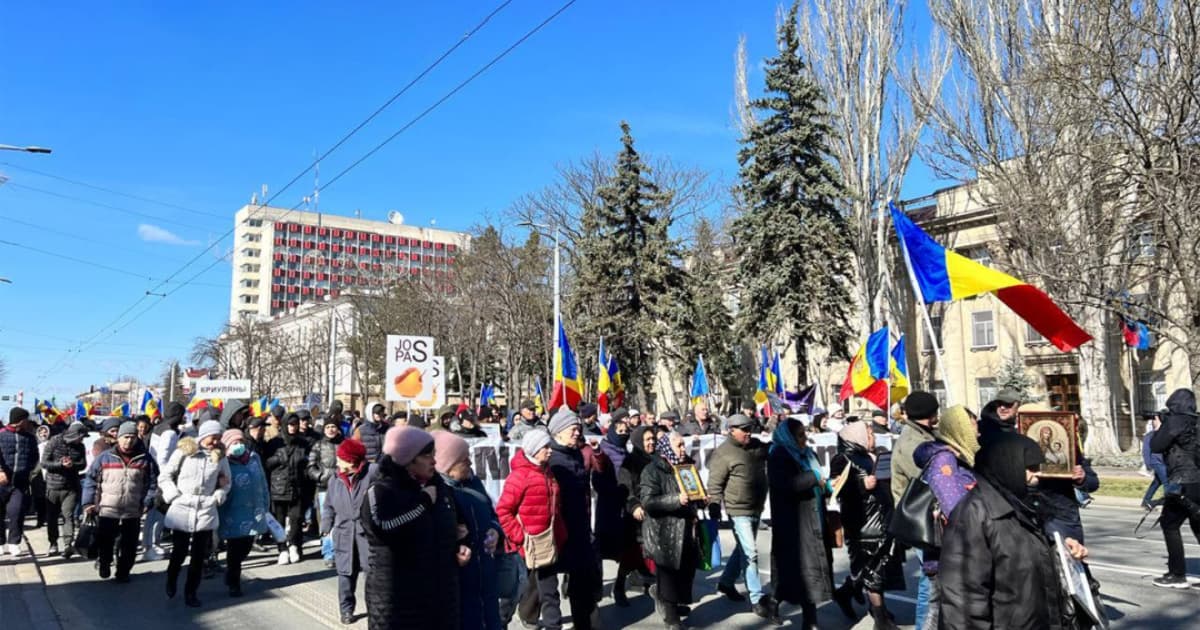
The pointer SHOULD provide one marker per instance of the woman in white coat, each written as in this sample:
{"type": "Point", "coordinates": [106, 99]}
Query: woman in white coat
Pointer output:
{"type": "Point", "coordinates": [194, 484]}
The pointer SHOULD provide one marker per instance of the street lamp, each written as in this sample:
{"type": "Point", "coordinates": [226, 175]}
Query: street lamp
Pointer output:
{"type": "Point", "coordinates": [540, 226]}
{"type": "Point", "coordinates": [5, 281]}
{"type": "Point", "coordinates": [9, 147]}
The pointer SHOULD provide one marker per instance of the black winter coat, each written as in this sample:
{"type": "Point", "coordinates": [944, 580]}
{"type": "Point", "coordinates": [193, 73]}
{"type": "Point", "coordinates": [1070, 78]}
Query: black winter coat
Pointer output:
{"type": "Point", "coordinates": [629, 477]}
{"type": "Point", "coordinates": [865, 513]}
{"type": "Point", "coordinates": [412, 579]}
{"type": "Point", "coordinates": [575, 488]}
{"type": "Point", "coordinates": [803, 561]}
{"type": "Point", "coordinates": [669, 529]}
{"type": "Point", "coordinates": [287, 459]}
{"type": "Point", "coordinates": [1177, 439]}
{"type": "Point", "coordinates": [322, 461]}
{"type": "Point", "coordinates": [371, 435]}
{"type": "Point", "coordinates": [18, 455]}
{"type": "Point", "coordinates": [59, 477]}
{"type": "Point", "coordinates": [997, 569]}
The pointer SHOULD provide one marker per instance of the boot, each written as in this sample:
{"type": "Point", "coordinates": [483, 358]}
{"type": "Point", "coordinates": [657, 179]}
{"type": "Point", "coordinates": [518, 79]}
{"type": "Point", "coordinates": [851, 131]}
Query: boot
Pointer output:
{"type": "Point", "coordinates": [841, 597]}
{"type": "Point", "coordinates": [883, 621]}
{"type": "Point", "coordinates": [619, 597]}
{"type": "Point", "coordinates": [766, 609]}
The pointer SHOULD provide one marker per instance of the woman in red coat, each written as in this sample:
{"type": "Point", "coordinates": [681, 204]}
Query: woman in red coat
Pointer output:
{"type": "Point", "coordinates": [530, 504]}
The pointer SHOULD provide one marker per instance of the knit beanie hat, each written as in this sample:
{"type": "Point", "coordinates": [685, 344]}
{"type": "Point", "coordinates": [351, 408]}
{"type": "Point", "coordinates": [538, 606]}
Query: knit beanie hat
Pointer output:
{"type": "Point", "coordinates": [127, 428]}
{"type": "Point", "coordinates": [278, 411]}
{"type": "Point", "coordinates": [534, 441]}
{"type": "Point", "coordinates": [352, 451]}
{"type": "Point", "coordinates": [212, 427]}
{"type": "Point", "coordinates": [403, 444]}
{"type": "Point", "coordinates": [111, 423]}
{"type": "Point", "coordinates": [17, 415]}
{"type": "Point", "coordinates": [75, 433]}
{"type": "Point", "coordinates": [231, 437]}
{"type": "Point", "coordinates": [920, 406]}
{"type": "Point", "coordinates": [448, 450]}
{"type": "Point", "coordinates": [563, 419]}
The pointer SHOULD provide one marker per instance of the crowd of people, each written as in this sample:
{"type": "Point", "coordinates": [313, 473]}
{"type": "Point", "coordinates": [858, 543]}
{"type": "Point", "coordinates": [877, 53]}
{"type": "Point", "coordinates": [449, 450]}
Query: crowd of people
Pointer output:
{"type": "Point", "coordinates": [395, 497]}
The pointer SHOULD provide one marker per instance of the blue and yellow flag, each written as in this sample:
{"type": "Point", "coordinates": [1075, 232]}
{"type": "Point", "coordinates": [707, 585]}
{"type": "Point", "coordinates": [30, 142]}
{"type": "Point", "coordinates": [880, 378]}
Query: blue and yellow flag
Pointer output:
{"type": "Point", "coordinates": [699, 381]}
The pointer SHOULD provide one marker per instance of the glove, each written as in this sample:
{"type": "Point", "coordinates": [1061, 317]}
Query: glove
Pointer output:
{"type": "Point", "coordinates": [714, 512]}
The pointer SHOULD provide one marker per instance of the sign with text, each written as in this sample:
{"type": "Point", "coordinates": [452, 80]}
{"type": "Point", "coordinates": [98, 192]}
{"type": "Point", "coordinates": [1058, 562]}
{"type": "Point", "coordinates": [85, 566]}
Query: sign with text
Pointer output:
{"type": "Point", "coordinates": [410, 369]}
{"type": "Point", "coordinates": [207, 389]}
{"type": "Point", "coordinates": [437, 378]}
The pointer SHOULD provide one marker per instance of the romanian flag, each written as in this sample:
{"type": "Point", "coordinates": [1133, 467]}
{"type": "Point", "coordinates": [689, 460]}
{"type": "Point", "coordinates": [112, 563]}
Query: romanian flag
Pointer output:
{"type": "Point", "coordinates": [604, 380]}
{"type": "Point", "coordinates": [47, 411]}
{"type": "Point", "coordinates": [899, 371]}
{"type": "Point", "coordinates": [256, 407]}
{"type": "Point", "coordinates": [869, 370]}
{"type": "Point", "coordinates": [1136, 334]}
{"type": "Point", "coordinates": [567, 389]}
{"type": "Point", "coordinates": [82, 409]}
{"type": "Point", "coordinates": [120, 411]}
{"type": "Point", "coordinates": [196, 404]}
{"type": "Point", "coordinates": [776, 375]}
{"type": "Point", "coordinates": [943, 276]}
{"type": "Point", "coordinates": [699, 381]}
{"type": "Point", "coordinates": [538, 396]}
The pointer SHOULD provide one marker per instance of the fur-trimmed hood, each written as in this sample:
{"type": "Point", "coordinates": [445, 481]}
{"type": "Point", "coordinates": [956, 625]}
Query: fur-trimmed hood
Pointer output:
{"type": "Point", "coordinates": [188, 446]}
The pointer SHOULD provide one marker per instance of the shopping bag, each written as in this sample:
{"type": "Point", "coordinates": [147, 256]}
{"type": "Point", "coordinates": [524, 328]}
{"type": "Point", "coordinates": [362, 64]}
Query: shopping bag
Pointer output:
{"type": "Point", "coordinates": [710, 545]}
{"type": "Point", "coordinates": [277, 530]}
{"type": "Point", "coordinates": [85, 537]}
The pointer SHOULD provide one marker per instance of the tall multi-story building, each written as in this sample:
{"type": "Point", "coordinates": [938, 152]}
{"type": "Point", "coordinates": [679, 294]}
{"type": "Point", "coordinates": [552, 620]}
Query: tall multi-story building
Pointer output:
{"type": "Point", "coordinates": [283, 258]}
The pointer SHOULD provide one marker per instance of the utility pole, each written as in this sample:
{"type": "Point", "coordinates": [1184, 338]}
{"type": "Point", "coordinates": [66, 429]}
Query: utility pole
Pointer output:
{"type": "Point", "coordinates": [332, 352]}
{"type": "Point", "coordinates": [171, 395]}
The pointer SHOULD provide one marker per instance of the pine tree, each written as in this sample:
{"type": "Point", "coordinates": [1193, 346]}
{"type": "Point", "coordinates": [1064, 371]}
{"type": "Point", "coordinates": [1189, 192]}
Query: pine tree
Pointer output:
{"type": "Point", "coordinates": [630, 271]}
{"type": "Point", "coordinates": [1012, 375]}
{"type": "Point", "coordinates": [794, 270]}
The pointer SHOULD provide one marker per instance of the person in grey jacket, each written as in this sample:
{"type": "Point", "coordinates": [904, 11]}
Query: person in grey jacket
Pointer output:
{"type": "Point", "coordinates": [63, 463]}
{"type": "Point", "coordinates": [341, 518]}
{"type": "Point", "coordinates": [737, 476]}
{"type": "Point", "coordinates": [322, 468]}
{"type": "Point", "coordinates": [194, 485]}
{"type": "Point", "coordinates": [119, 488]}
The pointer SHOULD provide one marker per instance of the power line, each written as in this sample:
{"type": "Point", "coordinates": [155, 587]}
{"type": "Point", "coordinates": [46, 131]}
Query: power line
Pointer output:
{"type": "Point", "coordinates": [100, 204]}
{"type": "Point", "coordinates": [97, 265]}
{"type": "Point", "coordinates": [353, 165]}
{"type": "Point", "coordinates": [111, 191]}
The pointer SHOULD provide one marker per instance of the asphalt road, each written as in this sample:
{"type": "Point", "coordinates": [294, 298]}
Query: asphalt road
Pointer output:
{"type": "Point", "coordinates": [305, 595]}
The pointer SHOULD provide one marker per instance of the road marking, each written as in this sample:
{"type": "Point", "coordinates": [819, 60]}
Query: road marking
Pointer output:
{"type": "Point", "coordinates": [1142, 572]}
{"type": "Point", "coordinates": [1149, 540]}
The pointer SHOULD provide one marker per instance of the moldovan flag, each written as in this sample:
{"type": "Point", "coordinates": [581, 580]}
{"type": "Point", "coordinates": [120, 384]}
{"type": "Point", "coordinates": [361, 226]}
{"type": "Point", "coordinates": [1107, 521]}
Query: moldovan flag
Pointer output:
{"type": "Point", "coordinates": [899, 371]}
{"type": "Point", "coordinates": [567, 389]}
{"type": "Point", "coordinates": [943, 276]}
{"type": "Point", "coordinates": [869, 369]}
{"type": "Point", "coordinates": [604, 380]}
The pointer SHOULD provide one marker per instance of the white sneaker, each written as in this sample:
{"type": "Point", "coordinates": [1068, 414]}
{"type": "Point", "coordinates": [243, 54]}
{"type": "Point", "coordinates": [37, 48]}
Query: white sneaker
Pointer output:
{"type": "Point", "coordinates": [14, 550]}
{"type": "Point", "coordinates": [283, 558]}
{"type": "Point", "coordinates": [152, 554]}
{"type": "Point", "coordinates": [294, 554]}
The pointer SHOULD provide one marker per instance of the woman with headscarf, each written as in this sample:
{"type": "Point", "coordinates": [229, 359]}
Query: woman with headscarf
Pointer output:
{"type": "Point", "coordinates": [866, 510]}
{"type": "Point", "coordinates": [997, 568]}
{"type": "Point", "coordinates": [629, 477]}
{"type": "Point", "coordinates": [801, 549]}
{"type": "Point", "coordinates": [611, 521]}
{"type": "Point", "coordinates": [946, 466]}
{"type": "Point", "coordinates": [669, 532]}
{"type": "Point", "coordinates": [416, 537]}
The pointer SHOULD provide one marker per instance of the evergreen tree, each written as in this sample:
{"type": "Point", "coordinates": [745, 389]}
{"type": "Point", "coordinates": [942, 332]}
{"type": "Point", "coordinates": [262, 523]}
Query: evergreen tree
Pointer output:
{"type": "Point", "coordinates": [1012, 375]}
{"type": "Point", "coordinates": [794, 270]}
{"type": "Point", "coordinates": [630, 272]}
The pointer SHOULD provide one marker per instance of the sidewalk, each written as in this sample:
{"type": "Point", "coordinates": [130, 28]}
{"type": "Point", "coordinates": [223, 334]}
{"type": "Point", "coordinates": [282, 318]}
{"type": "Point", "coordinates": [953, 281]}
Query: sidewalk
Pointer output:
{"type": "Point", "coordinates": [23, 601]}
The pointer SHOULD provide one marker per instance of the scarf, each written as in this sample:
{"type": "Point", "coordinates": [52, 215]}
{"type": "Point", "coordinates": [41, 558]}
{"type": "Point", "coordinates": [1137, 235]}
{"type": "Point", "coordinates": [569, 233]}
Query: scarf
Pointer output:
{"type": "Point", "coordinates": [351, 477]}
{"type": "Point", "coordinates": [783, 439]}
{"type": "Point", "coordinates": [856, 433]}
{"type": "Point", "coordinates": [664, 450]}
{"type": "Point", "coordinates": [957, 431]}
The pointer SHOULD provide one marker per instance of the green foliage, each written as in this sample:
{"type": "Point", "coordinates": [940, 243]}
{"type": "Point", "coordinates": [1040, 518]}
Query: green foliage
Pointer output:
{"type": "Point", "coordinates": [794, 271]}
{"type": "Point", "coordinates": [629, 277]}
{"type": "Point", "coordinates": [1012, 375]}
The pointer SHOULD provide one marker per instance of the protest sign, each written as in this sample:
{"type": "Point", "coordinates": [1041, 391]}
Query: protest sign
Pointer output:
{"type": "Point", "coordinates": [409, 368]}
{"type": "Point", "coordinates": [437, 380]}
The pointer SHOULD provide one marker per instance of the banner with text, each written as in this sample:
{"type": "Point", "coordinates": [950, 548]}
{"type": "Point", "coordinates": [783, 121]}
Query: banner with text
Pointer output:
{"type": "Point", "coordinates": [207, 389]}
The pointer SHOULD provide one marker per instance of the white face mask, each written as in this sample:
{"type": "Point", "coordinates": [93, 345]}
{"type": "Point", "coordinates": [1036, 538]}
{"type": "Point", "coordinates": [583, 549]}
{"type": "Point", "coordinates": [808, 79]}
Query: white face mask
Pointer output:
{"type": "Point", "coordinates": [834, 425]}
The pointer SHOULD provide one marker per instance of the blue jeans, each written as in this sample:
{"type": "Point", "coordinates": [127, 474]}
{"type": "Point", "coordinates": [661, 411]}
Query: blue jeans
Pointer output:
{"type": "Point", "coordinates": [923, 592]}
{"type": "Point", "coordinates": [744, 557]}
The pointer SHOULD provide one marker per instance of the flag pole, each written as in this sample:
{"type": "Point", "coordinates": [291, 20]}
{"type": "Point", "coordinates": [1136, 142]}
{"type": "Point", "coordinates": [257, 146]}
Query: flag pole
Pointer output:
{"type": "Point", "coordinates": [921, 306]}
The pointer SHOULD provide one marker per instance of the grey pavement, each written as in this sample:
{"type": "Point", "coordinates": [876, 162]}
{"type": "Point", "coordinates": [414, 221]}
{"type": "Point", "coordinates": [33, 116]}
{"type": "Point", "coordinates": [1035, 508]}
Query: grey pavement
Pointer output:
{"type": "Point", "coordinates": [53, 593]}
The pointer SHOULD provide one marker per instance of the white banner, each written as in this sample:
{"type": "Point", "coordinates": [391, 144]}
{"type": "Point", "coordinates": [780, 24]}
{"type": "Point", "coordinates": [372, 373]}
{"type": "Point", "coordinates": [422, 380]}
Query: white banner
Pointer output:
{"type": "Point", "coordinates": [207, 389]}
{"type": "Point", "coordinates": [409, 368]}
{"type": "Point", "coordinates": [437, 380]}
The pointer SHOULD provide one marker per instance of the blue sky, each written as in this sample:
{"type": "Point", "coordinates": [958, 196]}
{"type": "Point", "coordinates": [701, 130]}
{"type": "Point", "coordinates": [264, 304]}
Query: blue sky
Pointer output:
{"type": "Point", "coordinates": [198, 106]}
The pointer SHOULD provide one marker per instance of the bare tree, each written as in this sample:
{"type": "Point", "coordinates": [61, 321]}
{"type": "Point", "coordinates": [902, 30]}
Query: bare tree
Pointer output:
{"type": "Point", "coordinates": [854, 51]}
{"type": "Point", "coordinates": [246, 349]}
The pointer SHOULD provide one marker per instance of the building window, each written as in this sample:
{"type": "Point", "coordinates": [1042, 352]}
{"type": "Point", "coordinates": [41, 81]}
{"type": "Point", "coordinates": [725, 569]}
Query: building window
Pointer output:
{"type": "Point", "coordinates": [980, 255]}
{"type": "Point", "coordinates": [1152, 390]}
{"type": "Point", "coordinates": [254, 222]}
{"type": "Point", "coordinates": [983, 329]}
{"type": "Point", "coordinates": [987, 390]}
{"type": "Point", "coordinates": [936, 322]}
{"type": "Point", "coordinates": [1033, 336]}
{"type": "Point", "coordinates": [938, 389]}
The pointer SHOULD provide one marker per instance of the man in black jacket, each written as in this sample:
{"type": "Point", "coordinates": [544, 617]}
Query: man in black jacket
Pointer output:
{"type": "Point", "coordinates": [63, 463]}
{"type": "Point", "coordinates": [1177, 441]}
{"type": "Point", "coordinates": [577, 558]}
{"type": "Point", "coordinates": [372, 431]}
{"type": "Point", "coordinates": [18, 458]}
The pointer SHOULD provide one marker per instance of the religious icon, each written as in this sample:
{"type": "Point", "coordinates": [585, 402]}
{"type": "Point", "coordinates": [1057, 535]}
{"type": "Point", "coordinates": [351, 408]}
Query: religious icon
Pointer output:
{"type": "Point", "coordinates": [1054, 432]}
{"type": "Point", "coordinates": [689, 482]}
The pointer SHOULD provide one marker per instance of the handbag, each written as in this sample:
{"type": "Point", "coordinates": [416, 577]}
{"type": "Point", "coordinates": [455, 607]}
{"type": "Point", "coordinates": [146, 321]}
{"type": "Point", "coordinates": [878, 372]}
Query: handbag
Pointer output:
{"type": "Point", "coordinates": [85, 537]}
{"type": "Point", "coordinates": [835, 536]}
{"type": "Point", "coordinates": [540, 550]}
{"type": "Point", "coordinates": [915, 520]}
